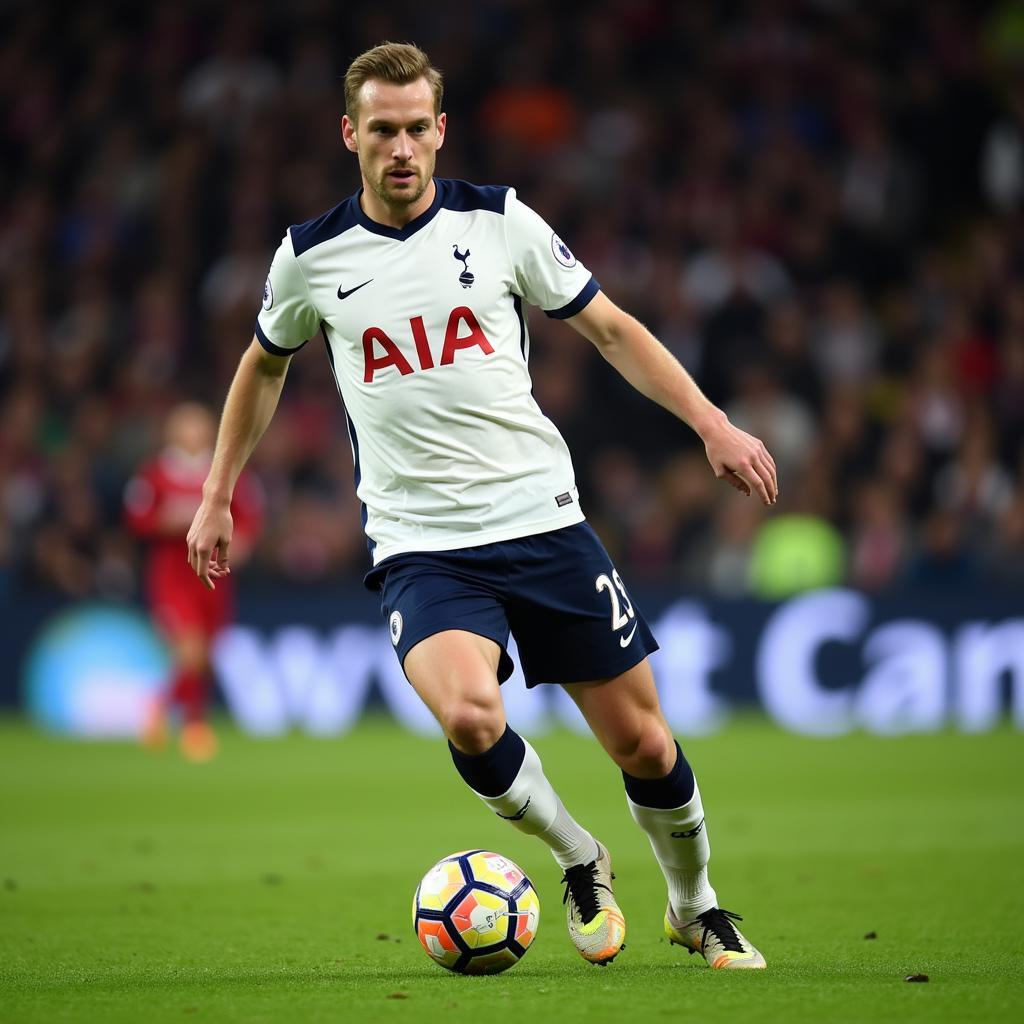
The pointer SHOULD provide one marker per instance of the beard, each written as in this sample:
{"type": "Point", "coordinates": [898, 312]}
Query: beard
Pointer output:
{"type": "Point", "coordinates": [391, 195]}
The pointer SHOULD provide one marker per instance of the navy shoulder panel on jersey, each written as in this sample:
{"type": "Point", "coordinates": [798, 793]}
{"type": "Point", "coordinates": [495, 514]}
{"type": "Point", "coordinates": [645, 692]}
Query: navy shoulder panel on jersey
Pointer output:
{"type": "Point", "coordinates": [452, 194]}
{"type": "Point", "coordinates": [464, 196]}
{"type": "Point", "coordinates": [325, 227]}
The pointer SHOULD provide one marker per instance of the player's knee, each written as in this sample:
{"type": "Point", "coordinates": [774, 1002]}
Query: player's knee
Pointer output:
{"type": "Point", "coordinates": [473, 725]}
{"type": "Point", "coordinates": [647, 751]}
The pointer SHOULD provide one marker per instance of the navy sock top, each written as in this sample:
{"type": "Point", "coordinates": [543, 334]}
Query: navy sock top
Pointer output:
{"type": "Point", "coordinates": [492, 772]}
{"type": "Point", "coordinates": [673, 790]}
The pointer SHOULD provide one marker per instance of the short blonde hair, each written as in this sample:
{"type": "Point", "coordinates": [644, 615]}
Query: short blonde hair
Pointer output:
{"type": "Point", "coordinates": [398, 63]}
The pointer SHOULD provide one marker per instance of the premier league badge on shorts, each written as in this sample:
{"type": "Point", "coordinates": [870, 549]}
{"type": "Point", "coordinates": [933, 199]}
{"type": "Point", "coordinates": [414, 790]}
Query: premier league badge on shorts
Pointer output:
{"type": "Point", "coordinates": [395, 627]}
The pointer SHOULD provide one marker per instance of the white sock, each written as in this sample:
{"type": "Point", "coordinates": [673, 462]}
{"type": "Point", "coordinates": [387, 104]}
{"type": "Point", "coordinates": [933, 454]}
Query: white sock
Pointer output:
{"type": "Point", "coordinates": [533, 807]}
{"type": "Point", "coordinates": [679, 839]}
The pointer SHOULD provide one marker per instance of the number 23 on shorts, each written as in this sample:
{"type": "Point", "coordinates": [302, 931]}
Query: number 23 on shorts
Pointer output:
{"type": "Point", "coordinates": [622, 612]}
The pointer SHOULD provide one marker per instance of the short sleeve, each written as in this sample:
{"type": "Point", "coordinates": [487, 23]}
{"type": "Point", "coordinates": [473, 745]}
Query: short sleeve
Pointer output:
{"type": "Point", "coordinates": [288, 318]}
{"type": "Point", "coordinates": [547, 274]}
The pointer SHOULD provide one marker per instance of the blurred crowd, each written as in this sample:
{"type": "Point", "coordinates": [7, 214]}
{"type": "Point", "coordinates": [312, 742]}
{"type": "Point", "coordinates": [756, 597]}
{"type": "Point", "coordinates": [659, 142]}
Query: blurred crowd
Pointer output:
{"type": "Point", "coordinates": [815, 205]}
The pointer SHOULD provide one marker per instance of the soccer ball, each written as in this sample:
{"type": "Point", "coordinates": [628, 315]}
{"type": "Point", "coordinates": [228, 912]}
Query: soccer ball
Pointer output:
{"type": "Point", "coordinates": [475, 912]}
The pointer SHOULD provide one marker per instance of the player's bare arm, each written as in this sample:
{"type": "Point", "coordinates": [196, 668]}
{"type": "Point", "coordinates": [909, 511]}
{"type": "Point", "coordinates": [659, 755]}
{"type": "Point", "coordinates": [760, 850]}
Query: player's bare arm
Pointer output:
{"type": "Point", "coordinates": [735, 456]}
{"type": "Point", "coordinates": [252, 399]}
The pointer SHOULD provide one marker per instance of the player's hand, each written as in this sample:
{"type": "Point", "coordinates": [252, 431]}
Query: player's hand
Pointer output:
{"type": "Point", "coordinates": [208, 540]}
{"type": "Point", "coordinates": [743, 461]}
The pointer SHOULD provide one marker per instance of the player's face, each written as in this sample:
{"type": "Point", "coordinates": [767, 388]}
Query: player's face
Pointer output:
{"type": "Point", "coordinates": [397, 138]}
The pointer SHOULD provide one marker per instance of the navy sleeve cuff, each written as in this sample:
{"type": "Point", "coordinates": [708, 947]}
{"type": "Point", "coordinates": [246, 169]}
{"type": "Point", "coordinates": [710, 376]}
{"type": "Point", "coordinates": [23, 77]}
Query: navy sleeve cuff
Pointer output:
{"type": "Point", "coordinates": [271, 347]}
{"type": "Point", "coordinates": [590, 289]}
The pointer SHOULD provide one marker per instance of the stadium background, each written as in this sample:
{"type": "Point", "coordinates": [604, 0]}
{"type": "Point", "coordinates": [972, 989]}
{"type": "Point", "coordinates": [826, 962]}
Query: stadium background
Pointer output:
{"type": "Point", "coordinates": [817, 206]}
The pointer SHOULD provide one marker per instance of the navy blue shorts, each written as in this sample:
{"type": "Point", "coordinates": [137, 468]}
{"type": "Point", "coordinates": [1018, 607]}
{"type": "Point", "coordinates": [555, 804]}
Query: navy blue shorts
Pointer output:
{"type": "Point", "coordinates": [558, 593]}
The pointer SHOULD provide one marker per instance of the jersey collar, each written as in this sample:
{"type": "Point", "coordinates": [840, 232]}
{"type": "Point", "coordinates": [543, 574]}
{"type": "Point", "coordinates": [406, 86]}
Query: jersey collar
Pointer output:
{"type": "Point", "coordinates": [410, 229]}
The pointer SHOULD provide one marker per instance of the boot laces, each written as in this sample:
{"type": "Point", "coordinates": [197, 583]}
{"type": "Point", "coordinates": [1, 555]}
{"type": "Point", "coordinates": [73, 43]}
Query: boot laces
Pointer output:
{"type": "Point", "coordinates": [720, 924]}
{"type": "Point", "coordinates": [581, 883]}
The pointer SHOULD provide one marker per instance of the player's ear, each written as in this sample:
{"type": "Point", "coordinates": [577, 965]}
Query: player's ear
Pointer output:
{"type": "Point", "coordinates": [442, 120]}
{"type": "Point", "coordinates": [348, 133]}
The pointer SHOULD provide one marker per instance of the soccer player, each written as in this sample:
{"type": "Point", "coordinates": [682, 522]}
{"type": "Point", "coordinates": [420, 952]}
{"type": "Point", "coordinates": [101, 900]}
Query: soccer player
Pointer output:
{"type": "Point", "coordinates": [160, 502]}
{"type": "Point", "coordinates": [469, 503]}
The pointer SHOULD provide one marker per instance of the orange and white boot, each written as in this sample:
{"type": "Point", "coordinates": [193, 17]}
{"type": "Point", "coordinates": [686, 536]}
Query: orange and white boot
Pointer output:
{"type": "Point", "coordinates": [714, 935]}
{"type": "Point", "coordinates": [596, 925]}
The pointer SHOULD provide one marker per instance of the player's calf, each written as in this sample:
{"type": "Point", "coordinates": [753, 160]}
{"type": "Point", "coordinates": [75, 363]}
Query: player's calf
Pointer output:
{"type": "Point", "coordinates": [509, 778]}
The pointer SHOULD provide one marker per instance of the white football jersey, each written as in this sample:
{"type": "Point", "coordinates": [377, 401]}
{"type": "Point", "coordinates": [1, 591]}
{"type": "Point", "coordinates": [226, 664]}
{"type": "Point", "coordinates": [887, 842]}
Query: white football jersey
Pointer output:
{"type": "Point", "coordinates": [427, 338]}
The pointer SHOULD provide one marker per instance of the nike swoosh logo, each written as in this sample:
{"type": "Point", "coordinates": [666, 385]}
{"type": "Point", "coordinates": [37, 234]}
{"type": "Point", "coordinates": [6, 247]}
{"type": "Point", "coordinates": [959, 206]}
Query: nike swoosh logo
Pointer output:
{"type": "Point", "coordinates": [624, 640]}
{"type": "Point", "coordinates": [345, 295]}
{"type": "Point", "coordinates": [689, 833]}
{"type": "Point", "coordinates": [519, 814]}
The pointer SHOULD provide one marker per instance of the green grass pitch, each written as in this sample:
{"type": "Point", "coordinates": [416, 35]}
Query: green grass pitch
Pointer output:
{"type": "Point", "coordinates": [275, 883]}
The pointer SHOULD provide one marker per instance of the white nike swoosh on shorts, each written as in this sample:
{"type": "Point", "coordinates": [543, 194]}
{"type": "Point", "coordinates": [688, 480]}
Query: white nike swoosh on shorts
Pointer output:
{"type": "Point", "coordinates": [624, 640]}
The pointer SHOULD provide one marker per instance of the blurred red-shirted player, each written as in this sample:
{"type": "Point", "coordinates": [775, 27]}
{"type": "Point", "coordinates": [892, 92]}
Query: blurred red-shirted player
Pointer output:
{"type": "Point", "coordinates": [160, 503]}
